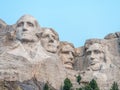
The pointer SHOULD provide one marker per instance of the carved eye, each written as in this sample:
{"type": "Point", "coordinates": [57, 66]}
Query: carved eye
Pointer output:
{"type": "Point", "coordinates": [97, 51]}
{"type": "Point", "coordinates": [65, 52]}
{"type": "Point", "coordinates": [73, 53]}
{"type": "Point", "coordinates": [88, 53]}
{"type": "Point", "coordinates": [30, 24]}
{"type": "Point", "coordinates": [119, 43]}
{"type": "Point", "coordinates": [20, 24]}
{"type": "Point", "coordinates": [46, 36]}
{"type": "Point", "coordinates": [53, 37]}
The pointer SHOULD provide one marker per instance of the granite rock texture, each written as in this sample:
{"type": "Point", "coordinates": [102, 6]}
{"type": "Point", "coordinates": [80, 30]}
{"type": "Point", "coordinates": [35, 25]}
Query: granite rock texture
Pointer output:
{"type": "Point", "coordinates": [31, 56]}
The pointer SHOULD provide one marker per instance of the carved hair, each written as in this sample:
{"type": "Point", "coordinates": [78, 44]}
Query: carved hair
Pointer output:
{"type": "Point", "coordinates": [28, 16]}
{"type": "Point", "coordinates": [45, 29]}
{"type": "Point", "coordinates": [90, 42]}
{"type": "Point", "coordinates": [96, 41]}
{"type": "Point", "coordinates": [64, 43]}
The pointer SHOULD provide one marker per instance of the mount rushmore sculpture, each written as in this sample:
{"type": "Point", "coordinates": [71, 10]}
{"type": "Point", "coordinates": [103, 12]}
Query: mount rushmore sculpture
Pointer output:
{"type": "Point", "coordinates": [31, 52]}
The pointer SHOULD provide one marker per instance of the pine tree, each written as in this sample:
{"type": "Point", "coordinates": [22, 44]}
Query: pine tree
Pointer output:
{"type": "Point", "coordinates": [46, 87]}
{"type": "Point", "coordinates": [87, 87]}
{"type": "Point", "coordinates": [80, 88]}
{"type": "Point", "coordinates": [78, 78]}
{"type": "Point", "coordinates": [67, 84]}
{"type": "Point", "coordinates": [114, 86]}
{"type": "Point", "coordinates": [93, 85]}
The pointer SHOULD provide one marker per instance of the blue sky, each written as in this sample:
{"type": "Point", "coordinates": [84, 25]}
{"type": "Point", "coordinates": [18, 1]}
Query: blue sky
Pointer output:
{"type": "Point", "coordinates": [74, 20]}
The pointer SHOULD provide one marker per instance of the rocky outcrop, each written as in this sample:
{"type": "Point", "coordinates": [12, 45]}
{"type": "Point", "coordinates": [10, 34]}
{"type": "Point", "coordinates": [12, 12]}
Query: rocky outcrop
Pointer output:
{"type": "Point", "coordinates": [112, 35]}
{"type": "Point", "coordinates": [31, 84]}
{"type": "Point", "coordinates": [31, 56]}
{"type": "Point", "coordinates": [79, 63]}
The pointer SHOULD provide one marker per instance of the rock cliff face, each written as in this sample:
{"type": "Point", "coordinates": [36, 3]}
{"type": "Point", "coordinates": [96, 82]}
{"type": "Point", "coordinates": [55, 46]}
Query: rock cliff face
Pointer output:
{"type": "Point", "coordinates": [31, 56]}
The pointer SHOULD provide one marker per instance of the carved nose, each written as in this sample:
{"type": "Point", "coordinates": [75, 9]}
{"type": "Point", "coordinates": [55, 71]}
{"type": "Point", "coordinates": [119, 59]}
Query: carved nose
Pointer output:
{"type": "Point", "coordinates": [70, 55]}
{"type": "Point", "coordinates": [92, 56]}
{"type": "Point", "coordinates": [51, 39]}
{"type": "Point", "coordinates": [24, 29]}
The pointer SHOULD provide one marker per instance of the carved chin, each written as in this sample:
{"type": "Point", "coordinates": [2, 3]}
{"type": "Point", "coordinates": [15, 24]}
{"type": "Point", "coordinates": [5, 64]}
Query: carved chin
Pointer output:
{"type": "Point", "coordinates": [51, 49]}
{"type": "Point", "coordinates": [96, 67]}
{"type": "Point", "coordinates": [28, 39]}
{"type": "Point", "coordinates": [68, 66]}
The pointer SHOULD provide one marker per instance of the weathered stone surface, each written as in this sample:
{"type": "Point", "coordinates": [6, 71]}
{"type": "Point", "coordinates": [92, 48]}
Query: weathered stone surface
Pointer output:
{"type": "Point", "coordinates": [51, 70]}
{"type": "Point", "coordinates": [67, 54]}
{"type": "Point", "coordinates": [79, 59]}
{"type": "Point", "coordinates": [31, 84]}
{"type": "Point", "coordinates": [112, 35]}
{"type": "Point", "coordinates": [100, 63]}
{"type": "Point", "coordinates": [49, 40]}
{"type": "Point", "coordinates": [3, 26]}
{"type": "Point", "coordinates": [22, 55]}
{"type": "Point", "coordinates": [31, 55]}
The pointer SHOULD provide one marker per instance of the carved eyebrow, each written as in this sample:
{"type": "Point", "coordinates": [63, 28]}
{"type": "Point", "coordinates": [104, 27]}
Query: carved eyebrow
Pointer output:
{"type": "Point", "coordinates": [65, 51]}
{"type": "Point", "coordinates": [30, 24]}
{"type": "Point", "coordinates": [47, 35]}
{"type": "Point", "coordinates": [88, 52]}
{"type": "Point", "coordinates": [97, 51]}
{"type": "Point", "coordinates": [44, 35]}
{"type": "Point", "coordinates": [54, 37]}
{"type": "Point", "coordinates": [20, 24]}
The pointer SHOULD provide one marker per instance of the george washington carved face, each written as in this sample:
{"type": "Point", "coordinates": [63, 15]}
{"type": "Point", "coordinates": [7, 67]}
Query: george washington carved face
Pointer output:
{"type": "Point", "coordinates": [26, 27]}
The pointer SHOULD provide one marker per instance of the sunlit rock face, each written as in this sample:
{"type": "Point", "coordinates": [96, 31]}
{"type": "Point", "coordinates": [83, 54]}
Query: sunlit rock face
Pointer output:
{"type": "Point", "coordinates": [112, 36]}
{"type": "Point", "coordinates": [22, 56]}
{"type": "Point", "coordinates": [26, 28]}
{"type": "Point", "coordinates": [3, 26]}
{"type": "Point", "coordinates": [95, 56]}
{"type": "Point", "coordinates": [31, 84]}
{"type": "Point", "coordinates": [67, 53]}
{"type": "Point", "coordinates": [49, 40]}
{"type": "Point", "coordinates": [100, 62]}
{"type": "Point", "coordinates": [31, 55]}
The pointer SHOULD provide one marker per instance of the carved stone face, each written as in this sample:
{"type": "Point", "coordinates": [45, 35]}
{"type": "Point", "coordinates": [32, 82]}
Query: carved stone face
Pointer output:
{"type": "Point", "coordinates": [67, 55]}
{"type": "Point", "coordinates": [26, 28]}
{"type": "Point", "coordinates": [49, 40]}
{"type": "Point", "coordinates": [95, 56]}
